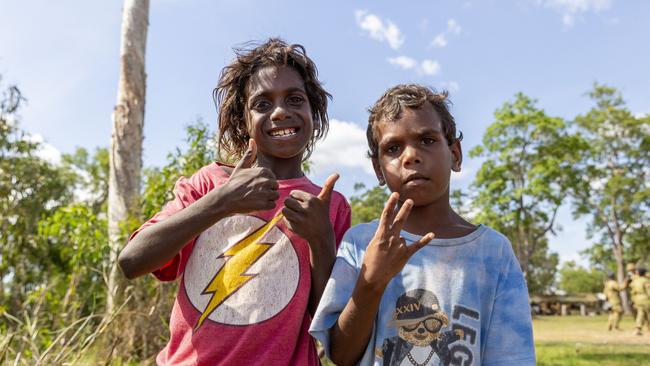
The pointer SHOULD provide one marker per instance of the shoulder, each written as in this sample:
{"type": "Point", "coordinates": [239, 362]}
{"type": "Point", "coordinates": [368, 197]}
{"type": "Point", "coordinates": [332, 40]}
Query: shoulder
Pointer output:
{"type": "Point", "coordinates": [494, 236]}
{"type": "Point", "coordinates": [212, 171]}
{"type": "Point", "coordinates": [201, 181]}
{"type": "Point", "coordinates": [494, 241]}
{"type": "Point", "coordinates": [360, 235]}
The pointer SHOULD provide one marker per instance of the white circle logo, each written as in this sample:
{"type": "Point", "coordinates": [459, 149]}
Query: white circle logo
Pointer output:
{"type": "Point", "coordinates": [242, 271]}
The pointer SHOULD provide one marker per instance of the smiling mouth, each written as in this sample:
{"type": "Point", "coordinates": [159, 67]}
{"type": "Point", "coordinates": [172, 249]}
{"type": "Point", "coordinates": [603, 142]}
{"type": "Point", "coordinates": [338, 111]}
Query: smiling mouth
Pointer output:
{"type": "Point", "coordinates": [283, 132]}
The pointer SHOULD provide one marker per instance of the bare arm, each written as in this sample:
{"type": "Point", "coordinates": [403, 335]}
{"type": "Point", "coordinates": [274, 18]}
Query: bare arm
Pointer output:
{"type": "Point", "coordinates": [386, 255]}
{"type": "Point", "coordinates": [156, 245]}
{"type": "Point", "coordinates": [308, 216]}
{"type": "Point", "coordinates": [248, 189]}
{"type": "Point", "coordinates": [351, 333]}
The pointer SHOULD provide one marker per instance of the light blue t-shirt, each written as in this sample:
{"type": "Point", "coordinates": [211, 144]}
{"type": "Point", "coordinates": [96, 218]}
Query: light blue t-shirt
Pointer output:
{"type": "Point", "coordinates": [460, 301]}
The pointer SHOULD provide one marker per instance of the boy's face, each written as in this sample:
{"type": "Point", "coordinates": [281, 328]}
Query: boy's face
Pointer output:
{"type": "Point", "coordinates": [279, 115]}
{"type": "Point", "coordinates": [414, 158]}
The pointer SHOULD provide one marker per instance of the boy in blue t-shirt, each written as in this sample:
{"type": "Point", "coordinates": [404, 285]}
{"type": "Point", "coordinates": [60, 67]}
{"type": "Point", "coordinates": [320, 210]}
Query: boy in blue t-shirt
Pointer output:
{"type": "Point", "coordinates": [396, 295]}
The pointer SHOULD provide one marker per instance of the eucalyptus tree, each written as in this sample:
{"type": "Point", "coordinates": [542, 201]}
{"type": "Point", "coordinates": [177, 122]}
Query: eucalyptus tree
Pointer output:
{"type": "Point", "coordinates": [612, 184]}
{"type": "Point", "coordinates": [524, 179]}
{"type": "Point", "coordinates": [126, 140]}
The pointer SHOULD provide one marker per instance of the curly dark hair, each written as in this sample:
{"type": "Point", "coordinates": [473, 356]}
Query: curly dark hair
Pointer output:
{"type": "Point", "coordinates": [390, 106]}
{"type": "Point", "coordinates": [230, 95]}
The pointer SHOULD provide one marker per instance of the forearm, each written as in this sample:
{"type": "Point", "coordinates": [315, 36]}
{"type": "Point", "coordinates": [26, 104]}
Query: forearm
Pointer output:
{"type": "Point", "coordinates": [321, 256]}
{"type": "Point", "coordinates": [156, 245]}
{"type": "Point", "coordinates": [351, 333]}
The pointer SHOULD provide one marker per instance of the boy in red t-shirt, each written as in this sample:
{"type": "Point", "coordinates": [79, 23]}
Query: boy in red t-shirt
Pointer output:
{"type": "Point", "coordinates": [253, 244]}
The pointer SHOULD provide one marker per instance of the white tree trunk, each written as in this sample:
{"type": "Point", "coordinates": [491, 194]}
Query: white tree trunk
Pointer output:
{"type": "Point", "coordinates": [126, 139]}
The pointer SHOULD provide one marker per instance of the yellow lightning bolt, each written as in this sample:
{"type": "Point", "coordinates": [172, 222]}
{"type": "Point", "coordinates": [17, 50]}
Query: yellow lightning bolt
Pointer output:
{"type": "Point", "coordinates": [231, 276]}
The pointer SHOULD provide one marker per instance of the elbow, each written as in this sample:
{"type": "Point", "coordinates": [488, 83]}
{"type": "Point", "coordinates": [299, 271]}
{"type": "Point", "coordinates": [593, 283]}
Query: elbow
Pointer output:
{"type": "Point", "coordinates": [341, 362]}
{"type": "Point", "coordinates": [339, 358]}
{"type": "Point", "coordinates": [125, 262]}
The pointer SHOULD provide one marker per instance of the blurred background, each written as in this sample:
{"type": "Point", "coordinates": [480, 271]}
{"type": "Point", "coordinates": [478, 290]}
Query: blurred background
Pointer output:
{"type": "Point", "coordinates": [552, 97]}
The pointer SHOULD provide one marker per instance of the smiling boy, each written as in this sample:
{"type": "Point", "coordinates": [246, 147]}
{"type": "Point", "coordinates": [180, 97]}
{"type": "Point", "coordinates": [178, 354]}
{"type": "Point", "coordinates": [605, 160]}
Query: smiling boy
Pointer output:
{"type": "Point", "coordinates": [251, 245]}
{"type": "Point", "coordinates": [396, 295]}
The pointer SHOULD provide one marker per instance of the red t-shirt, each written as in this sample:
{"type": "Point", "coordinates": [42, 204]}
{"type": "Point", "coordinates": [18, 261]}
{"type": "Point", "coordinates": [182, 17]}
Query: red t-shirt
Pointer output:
{"type": "Point", "coordinates": [242, 301]}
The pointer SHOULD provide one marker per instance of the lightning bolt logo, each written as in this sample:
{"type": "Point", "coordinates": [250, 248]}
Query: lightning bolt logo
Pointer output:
{"type": "Point", "coordinates": [232, 276]}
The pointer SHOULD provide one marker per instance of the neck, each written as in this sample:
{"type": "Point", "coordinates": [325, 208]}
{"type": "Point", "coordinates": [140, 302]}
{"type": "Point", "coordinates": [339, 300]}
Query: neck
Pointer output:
{"type": "Point", "coordinates": [282, 168]}
{"type": "Point", "coordinates": [437, 217]}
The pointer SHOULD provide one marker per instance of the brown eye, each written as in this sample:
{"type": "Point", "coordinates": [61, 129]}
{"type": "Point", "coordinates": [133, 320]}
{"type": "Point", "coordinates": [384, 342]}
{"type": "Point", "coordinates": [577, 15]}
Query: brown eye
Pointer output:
{"type": "Point", "coordinates": [261, 105]}
{"type": "Point", "coordinates": [392, 149]}
{"type": "Point", "coordinates": [296, 100]}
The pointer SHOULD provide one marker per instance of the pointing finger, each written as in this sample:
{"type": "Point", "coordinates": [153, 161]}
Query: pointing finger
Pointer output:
{"type": "Point", "coordinates": [421, 243]}
{"type": "Point", "coordinates": [401, 216]}
{"type": "Point", "coordinates": [387, 214]}
{"type": "Point", "coordinates": [328, 187]}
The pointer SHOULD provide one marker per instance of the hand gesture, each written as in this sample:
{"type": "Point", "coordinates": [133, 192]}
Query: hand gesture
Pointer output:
{"type": "Point", "coordinates": [387, 252]}
{"type": "Point", "coordinates": [308, 215]}
{"type": "Point", "coordinates": [250, 188]}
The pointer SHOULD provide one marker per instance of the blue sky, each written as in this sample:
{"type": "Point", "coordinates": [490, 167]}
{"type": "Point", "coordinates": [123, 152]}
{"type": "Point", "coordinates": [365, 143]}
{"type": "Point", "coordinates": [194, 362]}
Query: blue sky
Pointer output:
{"type": "Point", "coordinates": [64, 56]}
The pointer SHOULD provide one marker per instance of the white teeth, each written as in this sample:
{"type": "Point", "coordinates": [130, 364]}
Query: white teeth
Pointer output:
{"type": "Point", "coordinates": [283, 132]}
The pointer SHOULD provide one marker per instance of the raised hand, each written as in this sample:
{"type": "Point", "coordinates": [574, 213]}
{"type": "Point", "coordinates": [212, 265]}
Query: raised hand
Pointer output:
{"type": "Point", "coordinates": [387, 252]}
{"type": "Point", "coordinates": [250, 188]}
{"type": "Point", "coordinates": [308, 215]}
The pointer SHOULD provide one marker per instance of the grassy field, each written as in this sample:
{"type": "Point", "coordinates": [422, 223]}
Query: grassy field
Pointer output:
{"type": "Point", "coordinates": [585, 341]}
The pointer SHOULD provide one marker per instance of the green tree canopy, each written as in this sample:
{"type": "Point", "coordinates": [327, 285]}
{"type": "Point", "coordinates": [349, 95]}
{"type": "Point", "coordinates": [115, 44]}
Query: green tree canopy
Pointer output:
{"type": "Point", "coordinates": [612, 184]}
{"type": "Point", "coordinates": [577, 279]}
{"type": "Point", "coordinates": [523, 181]}
{"type": "Point", "coordinates": [368, 204]}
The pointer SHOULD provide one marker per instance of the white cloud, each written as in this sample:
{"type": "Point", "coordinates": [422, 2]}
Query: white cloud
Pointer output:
{"type": "Point", "coordinates": [404, 62]}
{"type": "Point", "coordinates": [344, 146]}
{"type": "Point", "coordinates": [570, 9]}
{"type": "Point", "coordinates": [425, 67]}
{"type": "Point", "coordinates": [451, 86]}
{"type": "Point", "coordinates": [46, 151]}
{"type": "Point", "coordinates": [440, 40]}
{"type": "Point", "coordinates": [380, 30]}
{"type": "Point", "coordinates": [453, 28]}
{"type": "Point", "coordinates": [430, 67]}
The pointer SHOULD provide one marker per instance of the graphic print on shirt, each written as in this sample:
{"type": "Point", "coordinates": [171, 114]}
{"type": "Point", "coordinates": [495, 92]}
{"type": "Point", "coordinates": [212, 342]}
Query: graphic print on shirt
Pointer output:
{"type": "Point", "coordinates": [423, 335]}
{"type": "Point", "coordinates": [242, 271]}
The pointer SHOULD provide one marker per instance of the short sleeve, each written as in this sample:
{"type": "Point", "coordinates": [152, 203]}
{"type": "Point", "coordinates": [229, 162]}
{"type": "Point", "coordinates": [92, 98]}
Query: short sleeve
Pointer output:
{"type": "Point", "coordinates": [509, 339]}
{"type": "Point", "coordinates": [186, 191]}
{"type": "Point", "coordinates": [337, 293]}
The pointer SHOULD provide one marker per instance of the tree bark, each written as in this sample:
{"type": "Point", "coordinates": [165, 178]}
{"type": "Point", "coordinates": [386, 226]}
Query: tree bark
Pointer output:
{"type": "Point", "coordinates": [620, 271]}
{"type": "Point", "coordinates": [126, 140]}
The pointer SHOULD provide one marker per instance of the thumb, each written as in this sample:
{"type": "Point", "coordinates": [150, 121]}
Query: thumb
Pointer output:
{"type": "Point", "coordinates": [420, 243]}
{"type": "Point", "coordinates": [248, 158]}
{"type": "Point", "coordinates": [328, 187]}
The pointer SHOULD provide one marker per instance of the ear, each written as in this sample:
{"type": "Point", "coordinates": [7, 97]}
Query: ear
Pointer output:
{"type": "Point", "coordinates": [456, 155]}
{"type": "Point", "coordinates": [378, 173]}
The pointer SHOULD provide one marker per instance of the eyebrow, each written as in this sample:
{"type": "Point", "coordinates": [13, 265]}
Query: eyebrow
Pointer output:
{"type": "Point", "coordinates": [292, 89]}
{"type": "Point", "coordinates": [419, 132]}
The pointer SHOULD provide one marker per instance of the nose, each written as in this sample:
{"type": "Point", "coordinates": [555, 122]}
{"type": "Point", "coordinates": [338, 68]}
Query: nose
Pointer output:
{"type": "Point", "coordinates": [279, 112]}
{"type": "Point", "coordinates": [421, 330]}
{"type": "Point", "coordinates": [410, 155]}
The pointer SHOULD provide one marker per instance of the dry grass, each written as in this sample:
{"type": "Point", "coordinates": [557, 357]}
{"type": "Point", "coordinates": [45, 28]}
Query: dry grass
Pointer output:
{"type": "Point", "coordinates": [587, 329]}
{"type": "Point", "coordinates": [585, 341]}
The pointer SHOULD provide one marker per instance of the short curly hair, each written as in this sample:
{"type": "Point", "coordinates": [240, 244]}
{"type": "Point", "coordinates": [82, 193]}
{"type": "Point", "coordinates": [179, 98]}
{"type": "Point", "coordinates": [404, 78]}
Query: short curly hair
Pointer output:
{"type": "Point", "coordinates": [391, 105]}
{"type": "Point", "coordinates": [230, 95]}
